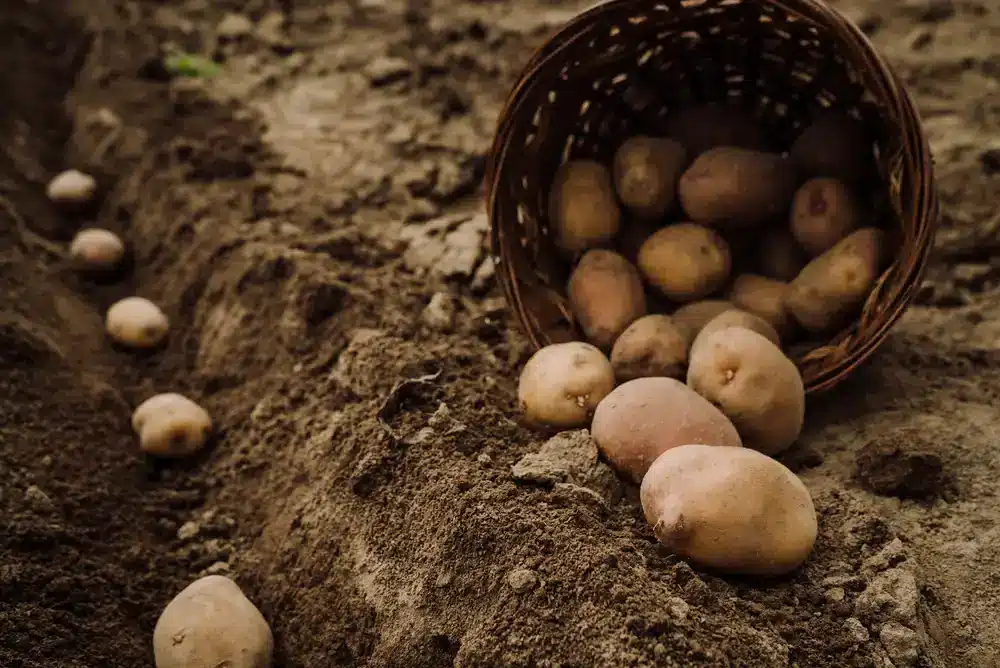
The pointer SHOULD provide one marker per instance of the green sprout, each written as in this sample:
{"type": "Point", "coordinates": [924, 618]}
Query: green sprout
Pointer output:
{"type": "Point", "coordinates": [189, 65]}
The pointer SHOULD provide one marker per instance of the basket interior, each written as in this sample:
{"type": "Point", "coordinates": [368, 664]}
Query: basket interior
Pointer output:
{"type": "Point", "coordinates": [621, 69]}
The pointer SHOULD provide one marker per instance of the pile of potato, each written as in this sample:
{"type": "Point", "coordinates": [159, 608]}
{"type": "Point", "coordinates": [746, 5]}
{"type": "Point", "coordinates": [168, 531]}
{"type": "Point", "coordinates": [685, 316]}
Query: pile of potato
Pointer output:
{"type": "Point", "coordinates": [699, 257]}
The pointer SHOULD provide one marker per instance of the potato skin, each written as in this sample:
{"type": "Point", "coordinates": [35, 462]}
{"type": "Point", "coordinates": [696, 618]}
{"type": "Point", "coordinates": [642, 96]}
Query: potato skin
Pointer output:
{"type": "Point", "coordinates": [733, 187]}
{"type": "Point", "coordinates": [583, 209]}
{"type": "Point", "coordinates": [606, 295]}
{"type": "Point", "coordinates": [702, 127]}
{"type": "Point", "coordinates": [645, 417]}
{"type": "Point", "coordinates": [754, 384]}
{"type": "Point", "coordinates": [736, 318]}
{"type": "Point", "coordinates": [651, 346]}
{"type": "Point", "coordinates": [779, 256]}
{"type": "Point", "coordinates": [765, 298]}
{"type": "Point", "coordinates": [731, 509]}
{"type": "Point", "coordinates": [833, 145]}
{"type": "Point", "coordinates": [691, 318]}
{"type": "Point", "coordinates": [562, 383]}
{"type": "Point", "coordinates": [823, 212]}
{"type": "Point", "coordinates": [685, 261]}
{"type": "Point", "coordinates": [646, 171]}
{"type": "Point", "coordinates": [836, 282]}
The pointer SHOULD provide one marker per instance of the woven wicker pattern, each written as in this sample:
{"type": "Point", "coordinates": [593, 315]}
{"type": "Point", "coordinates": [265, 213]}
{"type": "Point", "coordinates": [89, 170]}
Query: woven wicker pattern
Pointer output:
{"type": "Point", "coordinates": [618, 69]}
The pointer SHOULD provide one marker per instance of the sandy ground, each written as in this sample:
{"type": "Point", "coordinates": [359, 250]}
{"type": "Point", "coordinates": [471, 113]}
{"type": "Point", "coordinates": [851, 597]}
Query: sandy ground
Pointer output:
{"type": "Point", "coordinates": [294, 216]}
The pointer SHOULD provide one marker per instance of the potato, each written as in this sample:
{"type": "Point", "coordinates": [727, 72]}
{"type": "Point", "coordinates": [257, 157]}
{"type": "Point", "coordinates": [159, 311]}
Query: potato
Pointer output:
{"type": "Point", "coordinates": [691, 318]}
{"type": "Point", "coordinates": [646, 171]}
{"type": "Point", "coordinates": [643, 418]}
{"type": "Point", "coordinates": [731, 509]}
{"type": "Point", "coordinates": [733, 187]}
{"type": "Point", "coordinates": [754, 384]}
{"type": "Point", "coordinates": [97, 249]}
{"type": "Point", "coordinates": [685, 261]}
{"type": "Point", "coordinates": [583, 208]}
{"type": "Point", "coordinates": [210, 624]}
{"type": "Point", "coordinates": [136, 322]}
{"type": "Point", "coordinates": [562, 383]}
{"type": "Point", "coordinates": [823, 213]}
{"type": "Point", "coordinates": [779, 256]}
{"type": "Point", "coordinates": [834, 145]}
{"type": "Point", "coordinates": [706, 126]}
{"type": "Point", "coordinates": [765, 298]}
{"type": "Point", "coordinates": [606, 294]}
{"type": "Point", "coordinates": [651, 346]}
{"type": "Point", "coordinates": [736, 318]}
{"type": "Point", "coordinates": [171, 425]}
{"type": "Point", "coordinates": [837, 282]}
{"type": "Point", "coordinates": [72, 188]}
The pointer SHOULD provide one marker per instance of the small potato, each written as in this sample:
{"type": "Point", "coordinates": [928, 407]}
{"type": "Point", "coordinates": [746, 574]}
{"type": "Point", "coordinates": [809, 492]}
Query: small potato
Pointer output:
{"type": "Point", "coordinates": [757, 387]}
{"type": "Point", "coordinates": [823, 213]}
{"type": "Point", "coordinates": [643, 418]}
{"type": "Point", "coordinates": [836, 282]}
{"type": "Point", "coordinates": [685, 261]}
{"type": "Point", "coordinates": [651, 346]}
{"type": "Point", "coordinates": [136, 322]}
{"type": "Point", "coordinates": [211, 624]}
{"type": "Point", "coordinates": [583, 208]}
{"type": "Point", "coordinates": [691, 318]}
{"type": "Point", "coordinates": [97, 249]}
{"type": "Point", "coordinates": [561, 385]}
{"type": "Point", "coordinates": [646, 171]}
{"type": "Point", "coordinates": [779, 256]}
{"type": "Point", "coordinates": [733, 187]}
{"type": "Point", "coordinates": [72, 189]}
{"type": "Point", "coordinates": [606, 294]}
{"type": "Point", "coordinates": [171, 425]}
{"type": "Point", "coordinates": [706, 126]}
{"type": "Point", "coordinates": [834, 145]}
{"type": "Point", "coordinates": [736, 318]}
{"type": "Point", "coordinates": [765, 298]}
{"type": "Point", "coordinates": [730, 509]}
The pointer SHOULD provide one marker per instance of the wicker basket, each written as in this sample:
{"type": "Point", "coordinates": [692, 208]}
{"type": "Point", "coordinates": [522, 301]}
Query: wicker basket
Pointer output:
{"type": "Point", "coordinates": [618, 68]}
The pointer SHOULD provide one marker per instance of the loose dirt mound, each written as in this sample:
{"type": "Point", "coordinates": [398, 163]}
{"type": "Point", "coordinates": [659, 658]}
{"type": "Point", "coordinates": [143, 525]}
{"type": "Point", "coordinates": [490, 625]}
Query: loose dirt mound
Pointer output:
{"type": "Point", "coordinates": [370, 488]}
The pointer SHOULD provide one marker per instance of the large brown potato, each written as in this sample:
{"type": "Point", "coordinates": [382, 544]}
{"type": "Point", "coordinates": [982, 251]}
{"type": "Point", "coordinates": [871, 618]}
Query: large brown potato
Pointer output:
{"type": "Point", "coordinates": [733, 187]}
{"type": "Point", "coordinates": [731, 509]}
{"type": "Point", "coordinates": [646, 171]}
{"type": "Point", "coordinates": [685, 261]}
{"type": "Point", "coordinates": [691, 318]}
{"type": "Point", "coordinates": [754, 384]}
{"type": "Point", "coordinates": [823, 213]}
{"type": "Point", "coordinates": [707, 126]}
{"type": "Point", "coordinates": [651, 346]}
{"type": "Point", "coordinates": [834, 145]}
{"type": "Point", "coordinates": [583, 208]}
{"type": "Point", "coordinates": [779, 256]}
{"type": "Point", "coordinates": [837, 282]}
{"type": "Point", "coordinates": [644, 417]}
{"type": "Point", "coordinates": [606, 294]}
{"type": "Point", "coordinates": [765, 298]}
{"type": "Point", "coordinates": [562, 383]}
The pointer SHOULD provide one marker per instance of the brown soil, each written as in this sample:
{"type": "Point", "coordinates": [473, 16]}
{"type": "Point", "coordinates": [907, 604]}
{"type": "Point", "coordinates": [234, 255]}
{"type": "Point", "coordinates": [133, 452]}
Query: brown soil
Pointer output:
{"type": "Point", "coordinates": [294, 215]}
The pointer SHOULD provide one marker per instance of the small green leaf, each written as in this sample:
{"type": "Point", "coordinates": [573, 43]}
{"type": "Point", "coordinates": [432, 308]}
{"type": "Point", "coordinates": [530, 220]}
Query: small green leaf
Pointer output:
{"type": "Point", "coordinates": [189, 65]}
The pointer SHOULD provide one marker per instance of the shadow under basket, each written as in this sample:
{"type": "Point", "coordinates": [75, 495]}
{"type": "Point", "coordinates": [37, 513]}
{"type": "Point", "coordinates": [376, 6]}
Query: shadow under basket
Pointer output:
{"type": "Point", "coordinates": [620, 68]}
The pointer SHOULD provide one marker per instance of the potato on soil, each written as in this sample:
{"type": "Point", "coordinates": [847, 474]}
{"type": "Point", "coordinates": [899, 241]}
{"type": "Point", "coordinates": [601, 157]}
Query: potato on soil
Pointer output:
{"type": "Point", "coordinates": [606, 295]}
{"type": "Point", "coordinates": [779, 256]}
{"type": "Point", "coordinates": [562, 384]}
{"type": "Point", "coordinates": [823, 212]}
{"type": "Point", "coordinates": [702, 127]}
{"type": "Point", "coordinates": [765, 298]}
{"type": "Point", "coordinates": [837, 282]}
{"type": "Point", "coordinates": [685, 261]}
{"type": "Point", "coordinates": [171, 425]}
{"type": "Point", "coordinates": [754, 384]}
{"type": "Point", "coordinates": [736, 318]}
{"type": "Point", "coordinates": [209, 624]}
{"type": "Point", "coordinates": [583, 208]}
{"type": "Point", "coordinates": [834, 145]}
{"type": "Point", "coordinates": [730, 509]}
{"type": "Point", "coordinates": [651, 346]}
{"type": "Point", "coordinates": [136, 322]}
{"type": "Point", "coordinates": [691, 318]}
{"type": "Point", "coordinates": [646, 171]}
{"type": "Point", "coordinates": [97, 249]}
{"type": "Point", "coordinates": [72, 189]}
{"type": "Point", "coordinates": [733, 187]}
{"type": "Point", "coordinates": [643, 418]}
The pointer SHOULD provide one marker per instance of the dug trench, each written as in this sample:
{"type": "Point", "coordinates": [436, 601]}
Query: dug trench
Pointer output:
{"type": "Point", "coordinates": [370, 487]}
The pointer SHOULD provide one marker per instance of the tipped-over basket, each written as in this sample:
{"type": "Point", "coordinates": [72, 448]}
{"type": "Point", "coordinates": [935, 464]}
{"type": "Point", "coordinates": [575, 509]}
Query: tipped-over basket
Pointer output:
{"type": "Point", "coordinates": [617, 69]}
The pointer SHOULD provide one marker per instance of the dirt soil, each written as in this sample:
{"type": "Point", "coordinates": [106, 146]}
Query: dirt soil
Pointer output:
{"type": "Point", "coordinates": [310, 219]}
